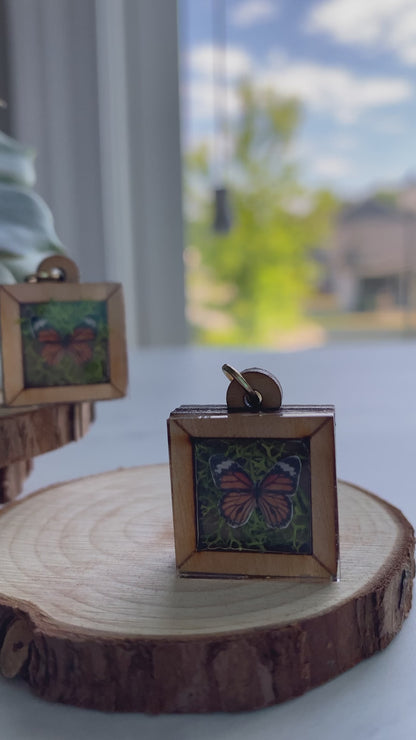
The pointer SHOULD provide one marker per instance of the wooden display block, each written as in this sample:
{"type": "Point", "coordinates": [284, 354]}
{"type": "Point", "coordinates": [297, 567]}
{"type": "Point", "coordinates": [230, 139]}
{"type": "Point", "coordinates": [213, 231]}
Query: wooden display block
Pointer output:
{"type": "Point", "coordinates": [92, 612]}
{"type": "Point", "coordinates": [28, 431]}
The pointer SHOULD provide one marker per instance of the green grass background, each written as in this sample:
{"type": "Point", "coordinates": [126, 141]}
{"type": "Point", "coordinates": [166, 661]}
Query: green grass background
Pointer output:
{"type": "Point", "coordinates": [256, 457]}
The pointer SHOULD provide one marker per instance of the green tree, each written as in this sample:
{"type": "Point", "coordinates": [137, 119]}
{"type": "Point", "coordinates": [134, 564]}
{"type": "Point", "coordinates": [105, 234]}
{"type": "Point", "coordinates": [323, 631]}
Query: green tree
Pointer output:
{"type": "Point", "coordinates": [250, 284]}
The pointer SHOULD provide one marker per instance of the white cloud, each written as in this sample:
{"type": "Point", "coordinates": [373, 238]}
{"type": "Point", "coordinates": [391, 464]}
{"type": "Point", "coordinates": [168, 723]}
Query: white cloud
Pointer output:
{"type": "Point", "coordinates": [203, 97]}
{"type": "Point", "coordinates": [251, 12]}
{"type": "Point", "coordinates": [210, 90]}
{"type": "Point", "coordinates": [236, 62]}
{"type": "Point", "coordinates": [383, 24]}
{"type": "Point", "coordinates": [332, 167]}
{"type": "Point", "coordinates": [334, 90]}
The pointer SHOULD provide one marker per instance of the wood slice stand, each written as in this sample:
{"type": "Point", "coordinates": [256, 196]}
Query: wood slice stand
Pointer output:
{"type": "Point", "coordinates": [92, 612]}
{"type": "Point", "coordinates": [32, 430]}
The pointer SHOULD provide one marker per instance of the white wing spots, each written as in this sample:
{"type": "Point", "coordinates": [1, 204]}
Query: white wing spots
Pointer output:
{"type": "Point", "coordinates": [89, 321]}
{"type": "Point", "coordinates": [289, 469]}
{"type": "Point", "coordinates": [224, 466]}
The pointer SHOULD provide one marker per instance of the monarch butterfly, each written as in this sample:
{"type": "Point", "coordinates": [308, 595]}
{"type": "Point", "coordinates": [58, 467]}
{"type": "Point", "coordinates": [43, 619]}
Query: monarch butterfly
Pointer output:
{"type": "Point", "coordinates": [55, 346]}
{"type": "Point", "coordinates": [272, 494]}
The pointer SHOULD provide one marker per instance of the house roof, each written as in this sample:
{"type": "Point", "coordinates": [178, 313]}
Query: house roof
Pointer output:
{"type": "Point", "coordinates": [370, 208]}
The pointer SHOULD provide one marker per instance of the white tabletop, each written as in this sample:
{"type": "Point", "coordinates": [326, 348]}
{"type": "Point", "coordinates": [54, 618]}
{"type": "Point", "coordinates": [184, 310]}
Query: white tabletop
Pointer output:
{"type": "Point", "coordinates": [374, 391]}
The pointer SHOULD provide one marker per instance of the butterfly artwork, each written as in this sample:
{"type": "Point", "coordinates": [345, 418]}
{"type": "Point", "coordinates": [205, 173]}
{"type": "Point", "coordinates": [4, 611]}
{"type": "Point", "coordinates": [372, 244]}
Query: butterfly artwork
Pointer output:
{"type": "Point", "coordinates": [249, 490]}
{"type": "Point", "coordinates": [272, 495]}
{"type": "Point", "coordinates": [54, 346]}
{"type": "Point", "coordinates": [65, 342]}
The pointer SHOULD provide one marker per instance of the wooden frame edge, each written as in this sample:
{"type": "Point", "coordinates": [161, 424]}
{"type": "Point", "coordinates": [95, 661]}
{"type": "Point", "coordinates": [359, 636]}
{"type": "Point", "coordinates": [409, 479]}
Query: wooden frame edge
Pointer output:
{"type": "Point", "coordinates": [325, 531]}
{"type": "Point", "coordinates": [183, 505]}
{"type": "Point", "coordinates": [12, 354]}
{"type": "Point", "coordinates": [117, 340]}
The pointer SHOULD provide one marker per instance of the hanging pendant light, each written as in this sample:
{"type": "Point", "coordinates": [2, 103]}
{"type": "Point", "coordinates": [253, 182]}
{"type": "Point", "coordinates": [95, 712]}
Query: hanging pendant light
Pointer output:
{"type": "Point", "coordinates": [222, 220]}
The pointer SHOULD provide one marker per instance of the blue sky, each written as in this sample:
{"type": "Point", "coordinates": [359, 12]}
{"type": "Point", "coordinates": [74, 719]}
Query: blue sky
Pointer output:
{"type": "Point", "coordinates": [351, 63]}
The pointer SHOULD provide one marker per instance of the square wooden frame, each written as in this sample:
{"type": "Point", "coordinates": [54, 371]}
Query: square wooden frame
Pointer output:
{"type": "Point", "coordinates": [315, 423]}
{"type": "Point", "coordinates": [12, 296]}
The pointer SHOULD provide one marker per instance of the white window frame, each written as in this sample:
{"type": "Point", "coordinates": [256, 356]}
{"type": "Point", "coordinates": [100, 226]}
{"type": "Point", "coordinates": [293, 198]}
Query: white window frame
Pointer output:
{"type": "Point", "coordinates": [94, 89]}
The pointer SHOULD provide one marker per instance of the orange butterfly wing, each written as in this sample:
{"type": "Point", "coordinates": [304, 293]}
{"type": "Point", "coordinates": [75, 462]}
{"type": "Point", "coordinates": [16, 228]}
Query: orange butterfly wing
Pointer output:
{"type": "Point", "coordinates": [239, 499]}
{"type": "Point", "coordinates": [237, 507]}
{"type": "Point", "coordinates": [54, 347]}
{"type": "Point", "coordinates": [241, 495]}
{"type": "Point", "coordinates": [80, 344]}
{"type": "Point", "coordinates": [275, 492]}
{"type": "Point", "coordinates": [276, 508]}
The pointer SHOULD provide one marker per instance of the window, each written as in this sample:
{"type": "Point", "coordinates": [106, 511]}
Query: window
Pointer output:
{"type": "Point", "coordinates": [304, 113]}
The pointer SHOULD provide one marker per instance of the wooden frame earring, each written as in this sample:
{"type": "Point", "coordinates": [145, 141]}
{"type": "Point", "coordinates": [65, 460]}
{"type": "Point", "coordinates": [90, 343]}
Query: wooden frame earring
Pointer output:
{"type": "Point", "coordinates": [62, 340]}
{"type": "Point", "coordinates": [254, 484]}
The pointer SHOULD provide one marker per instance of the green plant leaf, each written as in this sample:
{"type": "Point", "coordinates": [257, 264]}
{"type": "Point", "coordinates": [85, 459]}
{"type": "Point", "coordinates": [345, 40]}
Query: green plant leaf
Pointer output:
{"type": "Point", "coordinates": [21, 267]}
{"type": "Point", "coordinates": [6, 276]}
{"type": "Point", "coordinates": [16, 162]}
{"type": "Point", "coordinates": [26, 223]}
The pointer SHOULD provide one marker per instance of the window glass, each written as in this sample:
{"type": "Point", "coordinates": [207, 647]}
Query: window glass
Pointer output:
{"type": "Point", "coordinates": [299, 170]}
